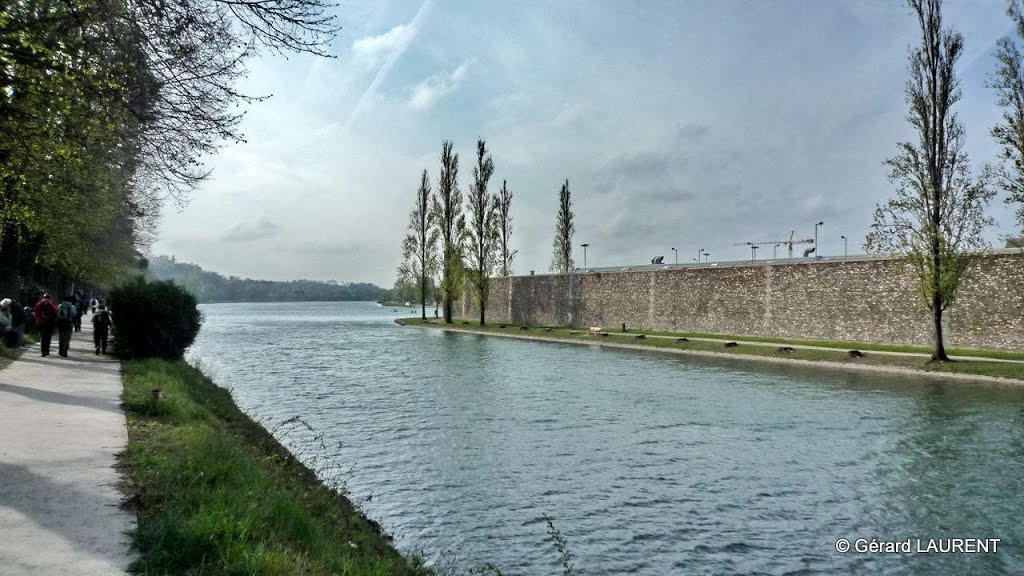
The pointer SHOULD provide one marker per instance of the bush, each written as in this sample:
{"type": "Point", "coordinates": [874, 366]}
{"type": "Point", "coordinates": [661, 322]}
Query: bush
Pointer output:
{"type": "Point", "coordinates": [153, 319]}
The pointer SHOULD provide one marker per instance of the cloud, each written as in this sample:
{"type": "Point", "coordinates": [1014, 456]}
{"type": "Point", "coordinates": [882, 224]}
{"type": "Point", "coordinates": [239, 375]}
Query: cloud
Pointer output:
{"type": "Point", "coordinates": [374, 49]}
{"type": "Point", "coordinates": [428, 92]}
{"type": "Point", "coordinates": [394, 43]}
{"type": "Point", "coordinates": [250, 231]}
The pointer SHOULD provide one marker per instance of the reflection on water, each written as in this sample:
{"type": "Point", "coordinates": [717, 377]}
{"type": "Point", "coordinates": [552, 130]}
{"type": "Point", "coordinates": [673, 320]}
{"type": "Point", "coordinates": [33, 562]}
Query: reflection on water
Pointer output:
{"type": "Point", "coordinates": [648, 463]}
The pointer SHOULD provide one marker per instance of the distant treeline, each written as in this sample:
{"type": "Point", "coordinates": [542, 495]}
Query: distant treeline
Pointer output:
{"type": "Point", "coordinates": [212, 287]}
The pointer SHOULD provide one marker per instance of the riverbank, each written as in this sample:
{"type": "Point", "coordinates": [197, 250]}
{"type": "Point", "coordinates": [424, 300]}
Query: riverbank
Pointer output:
{"type": "Point", "coordinates": [216, 493]}
{"type": "Point", "coordinates": [1000, 367]}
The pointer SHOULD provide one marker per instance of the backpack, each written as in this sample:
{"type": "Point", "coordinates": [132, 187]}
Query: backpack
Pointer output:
{"type": "Point", "coordinates": [102, 320]}
{"type": "Point", "coordinates": [65, 312]}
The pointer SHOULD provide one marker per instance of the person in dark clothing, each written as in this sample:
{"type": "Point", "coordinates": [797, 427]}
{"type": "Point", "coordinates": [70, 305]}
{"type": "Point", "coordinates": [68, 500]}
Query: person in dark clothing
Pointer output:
{"type": "Point", "coordinates": [101, 322]}
{"type": "Point", "coordinates": [65, 324]}
{"type": "Point", "coordinates": [45, 316]}
{"type": "Point", "coordinates": [14, 336]}
{"type": "Point", "coordinates": [79, 310]}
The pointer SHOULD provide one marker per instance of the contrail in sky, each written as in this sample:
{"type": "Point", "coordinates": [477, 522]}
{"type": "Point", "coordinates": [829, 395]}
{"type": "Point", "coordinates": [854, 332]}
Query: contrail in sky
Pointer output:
{"type": "Point", "coordinates": [411, 31]}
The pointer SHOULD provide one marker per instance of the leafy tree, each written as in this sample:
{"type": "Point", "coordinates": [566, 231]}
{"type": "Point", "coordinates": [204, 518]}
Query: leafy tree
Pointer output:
{"type": "Point", "coordinates": [108, 107]}
{"type": "Point", "coordinates": [451, 225]}
{"type": "Point", "coordinates": [564, 229]}
{"type": "Point", "coordinates": [1009, 84]}
{"type": "Point", "coordinates": [419, 249]}
{"type": "Point", "coordinates": [938, 213]}
{"type": "Point", "coordinates": [504, 204]}
{"type": "Point", "coordinates": [483, 229]}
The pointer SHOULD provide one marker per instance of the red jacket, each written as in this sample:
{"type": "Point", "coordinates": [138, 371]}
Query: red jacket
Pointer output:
{"type": "Point", "coordinates": [45, 313]}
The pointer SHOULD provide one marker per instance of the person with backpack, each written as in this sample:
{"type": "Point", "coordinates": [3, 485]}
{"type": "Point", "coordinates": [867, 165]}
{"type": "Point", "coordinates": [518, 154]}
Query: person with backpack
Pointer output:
{"type": "Point", "coordinates": [101, 322]}
{"type": "Point", "coordinates": [66, 313]}
{"type": "Point", "coordinates": [45, 316]}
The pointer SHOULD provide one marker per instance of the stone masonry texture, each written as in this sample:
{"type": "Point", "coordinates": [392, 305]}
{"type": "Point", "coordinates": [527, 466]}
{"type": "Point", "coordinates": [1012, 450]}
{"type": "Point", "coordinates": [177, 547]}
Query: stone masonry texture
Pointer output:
{"type": "Point", "coordinates": [871, 299]}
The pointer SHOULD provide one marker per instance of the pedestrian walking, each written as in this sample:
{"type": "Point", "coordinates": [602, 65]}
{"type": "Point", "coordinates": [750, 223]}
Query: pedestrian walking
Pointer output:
{"type": "Point", "coordinates": [45, 316]}
{"type": "Point", "coordinates": [80, 307]}
{"type": "Point", "coordinates": [6, 322]}
{"type": "Point", "coordinates": [18, 321]}
{"type": "Point", "coordinates": [93, 304]}
{"type": "Point", "coordinates": [101, 322]}
{"type": "Point", "coordinates": [66, 313]}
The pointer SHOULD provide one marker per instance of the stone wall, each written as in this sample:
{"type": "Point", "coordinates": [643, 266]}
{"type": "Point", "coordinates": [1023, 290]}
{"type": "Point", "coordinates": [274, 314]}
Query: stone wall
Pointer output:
{"type": "Point", "coordinates": [859, 300]}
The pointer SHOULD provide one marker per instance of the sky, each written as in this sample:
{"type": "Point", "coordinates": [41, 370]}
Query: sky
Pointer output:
{"type": "Point", "coordinates": [682, 124]}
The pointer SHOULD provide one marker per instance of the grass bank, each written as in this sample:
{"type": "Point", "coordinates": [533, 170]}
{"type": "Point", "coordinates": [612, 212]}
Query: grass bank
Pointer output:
{"type": "Point", "coordinates": [871, 357]}
{"type": "Point", "coordinates": [215, 493]}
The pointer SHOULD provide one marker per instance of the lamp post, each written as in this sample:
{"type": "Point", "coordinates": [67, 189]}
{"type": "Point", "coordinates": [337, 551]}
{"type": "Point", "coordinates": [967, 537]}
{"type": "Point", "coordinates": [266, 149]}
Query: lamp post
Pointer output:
{"type": "Point", "coordinates": [817, 253]}
{"type": "Point", "coordinates": [753, 252]}
{"type": "Point", "coordinates": [706, 254]}
{"type": "Point", "coordinates": [585, 254]}
{"type": "Point", "coordinates": [775, 251]}
{"type": "Point", "coordinates": [844, 247]}
{"type": "Point", "coordinates": [699, 252]}
{"type": "Point", "coordinates": [676, 252]}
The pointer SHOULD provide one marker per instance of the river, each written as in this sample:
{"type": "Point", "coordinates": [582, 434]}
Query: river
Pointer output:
{"type": "Point", "coordinates": [646, 463]}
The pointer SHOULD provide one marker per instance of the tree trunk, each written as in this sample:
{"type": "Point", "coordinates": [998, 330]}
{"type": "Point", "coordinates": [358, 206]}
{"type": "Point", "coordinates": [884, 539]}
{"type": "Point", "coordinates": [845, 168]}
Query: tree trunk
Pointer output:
{"type": "Point", "coordinates": [481, 314]}
{"type": "Point", "coordinates": [423, 297]}
{"type": "Point", "coordinates": [10, 278]}
{"type": "Point", "coordinates": [445, 281]}
{"type": "Point", "coordinates": [939, 349]}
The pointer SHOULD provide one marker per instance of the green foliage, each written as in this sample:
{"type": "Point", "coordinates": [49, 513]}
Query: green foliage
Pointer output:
{"type": "Point", "coordinates": [212, 287]}
{"type": "Point", "coordinates": [938, 213]}
{"type": "Point", "coordinates": [504, 206]}
{"type": "Point", "coordinates": [215, 493]}
{"type": "Point", "coordinates": [1008, 81]}
{"type": "Point", "coordinates": [419, 248]}
{"type": "Point", "coordinates": [153, 319]}
{"type": "Point", "coordinates": [561, 262]}
{"type": "Point", "coordinates": [446, 208]}
{"type": "Point", "coordinates": [483, 229]}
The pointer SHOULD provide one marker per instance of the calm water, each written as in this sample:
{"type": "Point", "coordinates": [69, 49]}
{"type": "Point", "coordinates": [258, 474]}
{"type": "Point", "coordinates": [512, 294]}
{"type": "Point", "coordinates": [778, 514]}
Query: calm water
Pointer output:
{"type": "Point", "coordinates": [647, 463]}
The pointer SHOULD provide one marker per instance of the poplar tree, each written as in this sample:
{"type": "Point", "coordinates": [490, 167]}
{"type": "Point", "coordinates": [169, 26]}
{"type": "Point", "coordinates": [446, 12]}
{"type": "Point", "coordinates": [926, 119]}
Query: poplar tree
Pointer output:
{"type": "Point", "coordinates": [446, 206]}
{"type": "Point", "coordinates": [937, 215]}
{"type": "Point", "coordinates": [483, 229]}
{"type": "Point", "coordinates": [564, 228]}
{"type": "Point", "coordinates": [506, 256]}
{"type": "Point", "coordinates": [1008, 82]}
{"type": "Point", "coordinates": [419, 249]}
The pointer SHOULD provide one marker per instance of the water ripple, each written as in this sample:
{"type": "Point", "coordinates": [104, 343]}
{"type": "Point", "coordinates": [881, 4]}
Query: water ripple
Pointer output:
{"type": "Point", "coordinates": [647, 463]}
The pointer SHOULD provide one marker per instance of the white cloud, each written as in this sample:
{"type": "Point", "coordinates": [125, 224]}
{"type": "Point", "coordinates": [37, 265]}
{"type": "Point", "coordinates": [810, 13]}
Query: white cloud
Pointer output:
{"type": "Point", "coordinates": [428, 92]}
{"type": "Point", "coordinates": [375, 49]}
{"type": "Point", "coordinates": [395, 43]}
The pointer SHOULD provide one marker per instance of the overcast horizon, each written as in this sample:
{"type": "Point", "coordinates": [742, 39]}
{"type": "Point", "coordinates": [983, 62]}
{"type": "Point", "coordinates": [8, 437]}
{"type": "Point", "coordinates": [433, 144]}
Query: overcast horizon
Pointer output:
{"type": "Point", "coordinates": [678, 124]}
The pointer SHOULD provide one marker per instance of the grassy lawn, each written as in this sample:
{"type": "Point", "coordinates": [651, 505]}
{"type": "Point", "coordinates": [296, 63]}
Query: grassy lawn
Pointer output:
{"type": "Point", "coordinates": [216, 494]}
{"type": "Point", "coordinates": [972, 367]}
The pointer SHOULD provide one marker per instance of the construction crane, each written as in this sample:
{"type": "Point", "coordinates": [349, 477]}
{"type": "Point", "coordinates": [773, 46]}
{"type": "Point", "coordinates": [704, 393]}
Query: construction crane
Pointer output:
{"type": "Point", "coordinates": [788, 243]}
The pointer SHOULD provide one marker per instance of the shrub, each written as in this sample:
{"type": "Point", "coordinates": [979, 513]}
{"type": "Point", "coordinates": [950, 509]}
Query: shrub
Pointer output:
{"type": "Point", "coordinates": [153, 319]}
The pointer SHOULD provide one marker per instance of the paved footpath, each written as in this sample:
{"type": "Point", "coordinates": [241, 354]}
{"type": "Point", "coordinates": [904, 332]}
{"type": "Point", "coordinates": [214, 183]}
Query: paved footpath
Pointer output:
{"type": "Point", "coordinates": [61, 425]}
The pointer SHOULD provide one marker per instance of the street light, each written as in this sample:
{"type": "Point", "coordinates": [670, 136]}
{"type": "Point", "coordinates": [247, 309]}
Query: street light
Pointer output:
{"type": "Point", "coordinates": [699, 252]}
{"type": "Point", "coordinates": [775, 251]}
{"type": "Point", "coordinates": [817, 253]}
{"type": "Point", "coordinates": [676, 254]}
{"type": "Point", "coordinates": [844, 246]}
{"type": "Point", "coordinates": [706, 254]}
{"type": "Point", "coordinates": [584, 254]}
{"type": "Point", "coordinates": [753, 252]}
